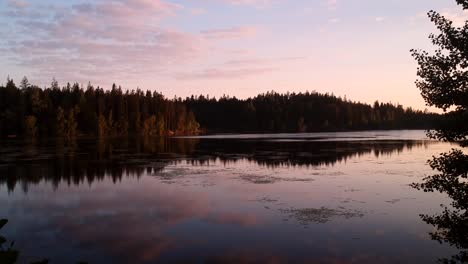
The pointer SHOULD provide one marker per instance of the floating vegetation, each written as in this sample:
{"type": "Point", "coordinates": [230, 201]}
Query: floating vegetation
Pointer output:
{"type": "Point", "coordinates": [353, 190]}
{"type": "Point", "coordinates": [321, 215]}
{"type": "Point", "coordinates": [266, 200]}
{"type": "Point", "coordinates": [397, 200]}
{"type": "Point", "coordinates": [266, 179]}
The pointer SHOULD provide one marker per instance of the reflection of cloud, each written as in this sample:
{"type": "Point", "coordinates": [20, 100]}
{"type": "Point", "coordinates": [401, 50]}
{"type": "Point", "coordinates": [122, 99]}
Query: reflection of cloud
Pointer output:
{"type": "Point", "coordinates": [131, 225]}
{"type": "Point", "coordinates": [233, 219]}
{"type": "Point", "coordinates": [143, 221]}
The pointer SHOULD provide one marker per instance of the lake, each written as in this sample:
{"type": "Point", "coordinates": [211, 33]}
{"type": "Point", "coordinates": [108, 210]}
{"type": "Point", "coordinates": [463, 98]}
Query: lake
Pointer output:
{"type": "Point", "coordinates": [270, 198]}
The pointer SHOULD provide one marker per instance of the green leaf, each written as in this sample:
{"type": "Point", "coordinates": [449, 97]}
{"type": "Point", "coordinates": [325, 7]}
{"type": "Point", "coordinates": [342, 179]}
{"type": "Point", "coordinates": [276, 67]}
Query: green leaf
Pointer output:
{"type": "Point", "coordinates": [3, 222]}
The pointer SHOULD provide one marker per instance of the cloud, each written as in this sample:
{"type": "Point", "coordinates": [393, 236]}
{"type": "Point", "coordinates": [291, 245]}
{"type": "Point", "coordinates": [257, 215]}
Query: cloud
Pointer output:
{"type": "Point", "coordinates": [121, 39]}
{"type": "Point", "coordinates": [19, 4]}
{"type": "Point", "coordinates": [224, 73]}
{"type": "Point", "coordinates": [240, 68]}
{"type": "Point", "coordinates": [258, 61]}
{"type": "Point", "coordinates": [331, 4]}
{"type": "Point", "coordinates": [258, 3]}
{"type": "Point", "coordinates": [107, 41]}
{"type": "Point", "coordinates": [230, 33]}
{"type": "Point", "coordinates": [197, 11]}
{"type": "Point", "coordinates": [458, 18]}
{"type": "Point", "coordinates": [379, 19]}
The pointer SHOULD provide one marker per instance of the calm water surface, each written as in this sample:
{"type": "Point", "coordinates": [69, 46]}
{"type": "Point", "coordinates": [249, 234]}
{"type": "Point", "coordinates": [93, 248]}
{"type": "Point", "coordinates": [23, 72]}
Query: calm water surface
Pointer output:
{"type": "Point", "coordinates": [297, 198]}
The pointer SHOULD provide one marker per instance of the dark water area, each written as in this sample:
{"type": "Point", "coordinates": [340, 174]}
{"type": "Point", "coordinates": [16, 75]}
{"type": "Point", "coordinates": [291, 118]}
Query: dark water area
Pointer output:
{"type": "Point", "coordinates": [278, 198]}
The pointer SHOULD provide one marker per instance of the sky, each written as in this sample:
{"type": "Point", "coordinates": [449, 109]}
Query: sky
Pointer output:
{"type": "Point", "coordinates": [353, 48]}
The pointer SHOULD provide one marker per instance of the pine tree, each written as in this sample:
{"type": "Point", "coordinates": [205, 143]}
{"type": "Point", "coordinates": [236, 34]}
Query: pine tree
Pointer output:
{"type": "Point", "coordinates": [60, 122]}
{"type": "Point", "coordinates": [24, 83]}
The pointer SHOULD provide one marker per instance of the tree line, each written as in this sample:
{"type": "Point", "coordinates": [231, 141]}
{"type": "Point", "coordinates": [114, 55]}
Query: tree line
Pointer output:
{"type": "Point", "coordinates": [303, 112]}
{"type": "Point", "coordinates": [69, 111]}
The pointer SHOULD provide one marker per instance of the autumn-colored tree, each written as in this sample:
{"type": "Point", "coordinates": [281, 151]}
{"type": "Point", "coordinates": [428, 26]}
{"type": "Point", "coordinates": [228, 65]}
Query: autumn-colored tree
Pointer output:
{"type": "Point", "coordinates": [71, 127]}
{"type": "Point", "coordinates": [150, 126]}
{"type": "Point", "coordinates": [55, 110]}
{"type": "Point", "coordinates": [102, 126]}
{"type": "Point", "coordinates": [192, 126]}
{"type": "Point", "coordinates": [30, 126]}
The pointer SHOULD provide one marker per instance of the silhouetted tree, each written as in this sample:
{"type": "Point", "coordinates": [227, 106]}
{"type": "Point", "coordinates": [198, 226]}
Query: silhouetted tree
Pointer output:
{"type": "Point", "coordinates": [444, 84]}
{"type": "Point", "coordinates": [60, 122]}
{"type": "Point", "coordinates": [24, 83]}
{"type": "Point", "coordinates": [71, 111]}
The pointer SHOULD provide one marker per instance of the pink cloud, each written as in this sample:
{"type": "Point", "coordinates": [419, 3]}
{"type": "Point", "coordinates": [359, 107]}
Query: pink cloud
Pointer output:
{"type": "Point", "coordinates": [224, 73]}
{"type": "Point", "coordinates": [230, 33]}
{"type": "Point", "coordinates": [249, 2]}
{"type": "Point", "coordinates": [116, 40]}
{"type": "Point", "coordinates": [120, 39]}
{"type": "Point", "coordinates": [197, 11]}
{"type": "Point", "coordinates": [331, 4]}
{"type": "Point", "coordinates": [458, 18]}
{"type": "Point", "coordinates": [107, 222]}
{"type": "Point", "coordinates": [19, 4]}
{"type": "Point", "coordinates": [258, 61]}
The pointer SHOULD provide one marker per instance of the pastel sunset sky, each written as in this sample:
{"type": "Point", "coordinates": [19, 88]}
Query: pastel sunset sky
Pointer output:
{"type": "Point", "coordinates": [357, 48]}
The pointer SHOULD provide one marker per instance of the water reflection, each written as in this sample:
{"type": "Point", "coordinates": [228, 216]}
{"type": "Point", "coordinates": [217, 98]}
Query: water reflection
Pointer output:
{"type": "Point", "coordinates": [88, 161]}
{"type": "Point", "coordinates": [8, 255]}
{"type": "Point", "coordinates": [218, 201]}
{"type": "Point", "coordinates": [451, 225]}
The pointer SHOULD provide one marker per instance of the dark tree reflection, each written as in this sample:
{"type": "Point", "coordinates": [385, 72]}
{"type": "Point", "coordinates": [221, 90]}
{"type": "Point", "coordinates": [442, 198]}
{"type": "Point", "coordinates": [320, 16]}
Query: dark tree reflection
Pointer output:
{"type": "Point", "coordinates": [452, 224]}
{"type": "Point", "coordinates": [89, 161]}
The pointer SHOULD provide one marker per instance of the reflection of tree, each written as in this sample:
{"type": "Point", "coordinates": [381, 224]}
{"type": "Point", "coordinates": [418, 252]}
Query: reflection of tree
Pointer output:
{"type": "Point", "coordinates": [84, 161]}
{"type": "Point", "coordinates": [296, 153]}
{"type": "Point", "coordinates": [7, 254]}
{"type": "Point", "coordinates": [443, 83]}
{"type": "Point", "coordinates": [88, 161]}
{"type": "Point", "coordinates": [452, 224]}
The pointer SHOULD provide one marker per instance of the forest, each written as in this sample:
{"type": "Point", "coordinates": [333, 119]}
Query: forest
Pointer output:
{"type": "Point", "coordinates": [70, 111]}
